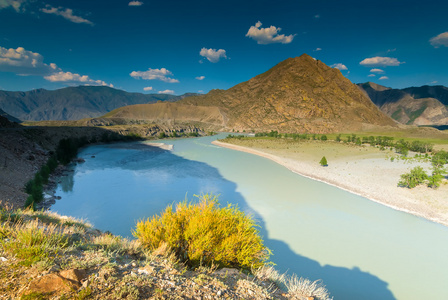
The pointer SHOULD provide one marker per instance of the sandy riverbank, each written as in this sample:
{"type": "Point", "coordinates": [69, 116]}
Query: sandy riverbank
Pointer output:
{"type": "Point", "coordinates": [365, 171]}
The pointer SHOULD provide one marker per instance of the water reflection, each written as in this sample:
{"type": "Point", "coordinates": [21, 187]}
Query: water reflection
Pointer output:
{"type": "Point", "coordinates": [128, 182]}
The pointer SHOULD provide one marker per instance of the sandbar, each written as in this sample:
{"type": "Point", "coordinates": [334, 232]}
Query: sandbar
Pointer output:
{"type": "Point", "coordinates": [362, 170]}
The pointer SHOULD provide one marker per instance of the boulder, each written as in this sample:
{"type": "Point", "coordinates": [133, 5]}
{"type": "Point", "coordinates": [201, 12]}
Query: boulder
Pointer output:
{"type": "Point", "coordinates": [56, 283]}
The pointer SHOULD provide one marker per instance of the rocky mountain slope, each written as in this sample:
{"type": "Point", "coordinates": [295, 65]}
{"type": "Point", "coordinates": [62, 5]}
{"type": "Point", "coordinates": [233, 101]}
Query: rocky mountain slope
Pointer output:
{"type": "Point", "coordinates": [169, 114]}
{"type": "Point", "coordinates": [72, 103]}
{"type": "Point", "coordinates": [297, 95]}
{"type": "Point", "coordinates": [426, 105]}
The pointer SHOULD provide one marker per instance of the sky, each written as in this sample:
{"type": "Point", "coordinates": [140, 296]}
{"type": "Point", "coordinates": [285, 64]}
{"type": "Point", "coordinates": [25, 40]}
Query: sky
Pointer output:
{"type": "Point", "coordinates": [176, 47]}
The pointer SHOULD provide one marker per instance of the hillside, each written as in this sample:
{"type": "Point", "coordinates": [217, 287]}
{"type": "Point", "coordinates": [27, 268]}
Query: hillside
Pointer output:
{"type": "Point", "coordinates": [426, 105]}
{"type": "Point", "coordinates": [168, 114]}
{"type": "Point", "coordinates": [72, 103]}
{"type": "Point", "coordinates": [8, 117]}
{"type": "Point", "coordinates": [297, 95]}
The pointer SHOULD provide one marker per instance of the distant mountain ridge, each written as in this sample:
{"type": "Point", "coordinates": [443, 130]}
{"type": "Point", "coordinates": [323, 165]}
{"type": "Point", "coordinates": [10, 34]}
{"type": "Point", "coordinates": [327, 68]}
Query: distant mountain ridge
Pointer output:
{"type": "Point", "coordinates": [72, 103]}
{"type": "Point", "coordinates": [300, 94]}
{"type": "Point", "coordinates": [425, 105]}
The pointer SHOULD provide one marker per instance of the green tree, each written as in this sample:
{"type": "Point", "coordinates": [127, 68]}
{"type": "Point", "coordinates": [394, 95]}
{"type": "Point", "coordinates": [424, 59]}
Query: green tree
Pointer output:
{"type": "Point", "coordinates": [415, 177]}
{"type": "Point", "coordinates": [323, 137]}
{"type": "Point", "coordinates": [323, 162]}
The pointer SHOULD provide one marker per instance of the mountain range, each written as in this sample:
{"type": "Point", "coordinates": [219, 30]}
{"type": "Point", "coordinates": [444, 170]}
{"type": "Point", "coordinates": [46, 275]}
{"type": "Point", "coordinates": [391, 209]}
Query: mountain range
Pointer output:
{"type": "Point", "coordinates": [426, 105]}
{"type": "Point", "coordinates": [72, 103]}
{"type": "Point", "coordinates": [299, 94]}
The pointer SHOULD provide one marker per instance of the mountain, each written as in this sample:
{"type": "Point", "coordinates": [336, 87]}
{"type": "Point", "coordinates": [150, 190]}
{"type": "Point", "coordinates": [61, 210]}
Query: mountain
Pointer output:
{"type": "Point", "coordinates": [9, 117]}
{"type": "Point", "coordinates": [298, 95]}
{"type": "Point", "coordinates": [163, 114]}
{"type": "Point", "coordinates": [426, 105]}
{"type": "Point", "coordinates": [72, 103]}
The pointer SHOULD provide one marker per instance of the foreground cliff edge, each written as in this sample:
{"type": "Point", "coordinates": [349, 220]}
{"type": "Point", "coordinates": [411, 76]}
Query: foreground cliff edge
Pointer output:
{"type": "Point", "coordinates": [44, 255]}
{"type": "Point", "coordinates": [365, 171]}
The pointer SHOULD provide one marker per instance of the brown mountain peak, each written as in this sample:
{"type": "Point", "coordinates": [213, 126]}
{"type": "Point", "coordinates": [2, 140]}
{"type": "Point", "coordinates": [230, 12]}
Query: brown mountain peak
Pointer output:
{"type": "Point", "coordinates": [299, 94]}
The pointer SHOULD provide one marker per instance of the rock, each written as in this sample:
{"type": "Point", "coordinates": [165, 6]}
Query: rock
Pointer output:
{"type": "Point", "coordinates": [62, 282]}
{"type": "Point", "coordinates": [227, 272]}
{"type": "Point", "coordinates": [148, 270]}
{"type": "Point", "coordinates": [3, 259]}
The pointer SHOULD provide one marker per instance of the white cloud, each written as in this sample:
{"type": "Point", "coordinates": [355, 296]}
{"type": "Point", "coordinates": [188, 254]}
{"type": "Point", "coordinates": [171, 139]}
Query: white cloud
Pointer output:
{"type": "Point", "coordinates": [213, 55]}
{"type": "Point", "coordinates": [391, 50]}
{"type": "Point", "coordinates": [440, 40]}
{"type": "Point", "coordinates": [371, 75]}
{"type": "Point", "coordinates": [200, 77]}
{"type": "Point", "coordinates": [434, 82]}
{"type": "Point", "coordinates": [148, 88]}
{"type": "Point", "coordinates": [72, 77]}
{"type": "Point", "coordinates": [166, 92]}
{"type": "Point", "coordinates": [384, 78]}
{"type": "Point", "coordinates": [381, 61]}
{"type": "Point", "coordinates": [379, 71]}
{"type": "Point", "coordinates": [135, 3]}
{"type": "Point", "coordinates": [15, 4]}
{"type": "Point", "coordinates": [154, 74]}
{"type": "Point", "coordinates": [67, 13]}
{"type": "Point", "coordinates": [317, 49]}
{"type": "Point", "coordinates": [24, 62]}
{"type": "Point", "coordinates": [317, 17]}
{"type": "Point", "coordinates": [200, 91]}
{"type": "Point", "coordinates": [269, 35]}
{"type": "Point", "coordinates": [339, 66]}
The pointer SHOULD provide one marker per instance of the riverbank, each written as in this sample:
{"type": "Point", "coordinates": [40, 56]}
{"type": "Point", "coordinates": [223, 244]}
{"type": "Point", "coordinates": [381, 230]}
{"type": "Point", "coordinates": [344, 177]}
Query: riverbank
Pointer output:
{"type": "Point", "coordinates": [365, 171]}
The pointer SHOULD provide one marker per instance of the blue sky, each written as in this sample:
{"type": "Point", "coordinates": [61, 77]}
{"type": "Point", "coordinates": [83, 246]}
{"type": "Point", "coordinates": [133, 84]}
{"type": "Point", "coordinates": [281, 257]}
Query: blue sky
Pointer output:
{"type": "Point", "coordinates": [195, 46]}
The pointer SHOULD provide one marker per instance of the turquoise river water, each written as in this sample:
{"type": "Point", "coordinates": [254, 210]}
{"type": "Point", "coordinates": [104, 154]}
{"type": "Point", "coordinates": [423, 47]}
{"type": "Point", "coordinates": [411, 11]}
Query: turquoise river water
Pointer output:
{"type": "Point", "coordinates": [360, 249]}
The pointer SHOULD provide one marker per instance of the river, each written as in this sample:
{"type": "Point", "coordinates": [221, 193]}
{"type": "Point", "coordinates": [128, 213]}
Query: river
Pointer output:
{"type": "Point", "coordinates": [360, 249]}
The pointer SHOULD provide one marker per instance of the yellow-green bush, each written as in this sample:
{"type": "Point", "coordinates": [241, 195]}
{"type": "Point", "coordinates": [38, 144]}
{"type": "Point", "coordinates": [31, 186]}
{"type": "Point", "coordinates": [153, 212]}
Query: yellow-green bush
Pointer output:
{"type": "Point", "coordinates": [205, 233]}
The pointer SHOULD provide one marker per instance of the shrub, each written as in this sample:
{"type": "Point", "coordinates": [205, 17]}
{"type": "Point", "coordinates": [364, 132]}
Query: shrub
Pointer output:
{"type": "Point", "coordinates": [415, 177]}
{"type": "Point", "coordinates": [323, 162]}
{"type": "Point", "coordinates": [206, 234]}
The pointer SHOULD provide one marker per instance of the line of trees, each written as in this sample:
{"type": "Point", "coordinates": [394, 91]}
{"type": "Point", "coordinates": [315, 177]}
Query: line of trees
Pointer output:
{"type": "Point", "coordinates": [418, 176]}
{"type": "Point", "coordinates": [401, 146]}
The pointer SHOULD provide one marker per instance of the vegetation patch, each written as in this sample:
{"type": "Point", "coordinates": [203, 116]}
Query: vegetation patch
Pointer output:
{"type": "Point", "coordinates": [205, 233]}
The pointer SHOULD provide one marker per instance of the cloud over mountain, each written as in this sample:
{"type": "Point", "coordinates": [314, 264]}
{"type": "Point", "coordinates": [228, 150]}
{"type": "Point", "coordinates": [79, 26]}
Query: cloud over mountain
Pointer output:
{"type": "Point", "coordinates": [268, 35]}
{"type": "Point", "coordinates": [166, 92]}
{"type": "Point", "coordinates": [154, 74]}
{"type": "Point", "coordinates": [213, 55]}
{"type": "Point", "coordinates": [66, 13]}
{"type": "Point", "coordinates": [339, 66]}
{"type": "Point", "coordinates": [24, 62]}
{"type": "Point", "coordinates": [440, 40]}
{"type": "Point", "coordinates": [380, 61]}
{"type": "Point", "coordinates": [135, 3]}
{"type": "Point", "coordinates": [75, 78]}
{"type": "Point", "coordinates": [15, 4]}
